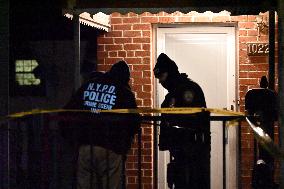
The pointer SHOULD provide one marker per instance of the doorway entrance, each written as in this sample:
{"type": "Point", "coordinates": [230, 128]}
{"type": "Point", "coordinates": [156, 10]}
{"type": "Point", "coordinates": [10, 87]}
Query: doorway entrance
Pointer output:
{"type": "Point", "coordinates": [207, 54]}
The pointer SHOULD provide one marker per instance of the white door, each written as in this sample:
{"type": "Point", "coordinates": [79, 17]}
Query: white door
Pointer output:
{"type": "Point", "coordinates": [207, 55]}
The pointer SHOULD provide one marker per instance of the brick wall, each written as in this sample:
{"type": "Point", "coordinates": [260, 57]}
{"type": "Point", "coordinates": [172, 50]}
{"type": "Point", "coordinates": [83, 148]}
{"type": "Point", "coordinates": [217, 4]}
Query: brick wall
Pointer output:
{"type": "Point", "coordinates": [131, 39]}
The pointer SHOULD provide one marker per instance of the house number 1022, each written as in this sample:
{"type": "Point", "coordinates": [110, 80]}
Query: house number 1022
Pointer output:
{"type": "Point", "coordinates": [257, 49]}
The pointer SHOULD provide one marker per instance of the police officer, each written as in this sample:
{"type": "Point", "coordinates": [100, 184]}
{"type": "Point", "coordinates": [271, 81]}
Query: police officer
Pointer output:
{"type": "Point", "coordinates": [187, 137]}
{"type": "Point", "coordinates": [262, 102]}
{"type": "Point", "coordinates": [103, 139]}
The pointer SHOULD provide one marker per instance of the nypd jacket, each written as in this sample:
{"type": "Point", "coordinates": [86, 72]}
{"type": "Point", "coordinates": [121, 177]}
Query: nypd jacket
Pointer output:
{"type": "Point", "coordinates": [178, 130]}
{"type": "Point", "coordinates": [108, 130]}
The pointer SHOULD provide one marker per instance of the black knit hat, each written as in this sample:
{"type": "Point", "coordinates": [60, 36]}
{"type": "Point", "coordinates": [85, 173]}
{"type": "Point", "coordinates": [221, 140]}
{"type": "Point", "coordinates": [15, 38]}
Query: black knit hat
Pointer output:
{"type": "Point", "coordinates": [263, 82]}
{"type": "Point", "coordinates": [120, 70]}
{"type": "Point", "coordinates": [165, 64]}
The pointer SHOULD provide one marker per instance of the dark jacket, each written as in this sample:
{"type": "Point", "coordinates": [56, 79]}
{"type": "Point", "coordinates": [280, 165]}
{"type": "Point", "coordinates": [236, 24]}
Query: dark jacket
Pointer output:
{"type": "Point", "coordinates": [184, 93]}
{"type": "Point", "coordinates": [262, 102]}
{"type": "Point", "coordinates": [109, 130]}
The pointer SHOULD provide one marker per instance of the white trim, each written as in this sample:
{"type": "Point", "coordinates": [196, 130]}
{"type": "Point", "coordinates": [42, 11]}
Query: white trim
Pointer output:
{"type": "Point", "coordinates": [230, 31]}
{"type": "Point", "coordinates": [99, 20]}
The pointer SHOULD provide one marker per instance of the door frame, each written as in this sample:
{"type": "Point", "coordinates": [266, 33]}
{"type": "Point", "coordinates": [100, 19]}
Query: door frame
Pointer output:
{"type": "Point", "coordinates": [232, 172]}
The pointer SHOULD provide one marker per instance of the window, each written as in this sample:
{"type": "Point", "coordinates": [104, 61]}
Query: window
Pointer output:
{"type": "Point", "coordinates": [24, 72]}
{"type": "Point", "coordinates": [27, 77]}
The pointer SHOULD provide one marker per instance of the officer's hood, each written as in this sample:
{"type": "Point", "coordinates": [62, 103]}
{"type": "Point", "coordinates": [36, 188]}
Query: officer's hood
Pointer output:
{"type": "Point", "coordinates": [165, 64]}
{"type": "Point", "coordinates": [120, 72]}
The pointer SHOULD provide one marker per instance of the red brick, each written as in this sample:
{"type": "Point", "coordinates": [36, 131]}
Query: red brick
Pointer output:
{"type": "Point", "coordinates": [147, 186]}
{"type": "Point", "coordinates": [116, 20]}
{"type": "Point", "coordinates": [146, 33]}
{"type": "Point", "coordinates": [146, 47]}
{"type": "Point", "coordinates": [114, 34]}
{"type": "Point", "coordinates": [263, 38]}
{"type": "Point", "coordinates": [243, 60]}
{"type": "Point", "coordinates": [131, 33]}
{"type": "Point", "coordinates": [252, 32]}
{"type": "Point", "coordinates": [131, 151]}
{"type": "Point", "coordinates": [243, 74]}
{"type": "Point", "coordinates": [132, 14]}
{"type": "Point", "coordinates": [162, 13]}
{"type": "Point", "coordinates": [147, 130]}
{"type": "Point", "coordinates": [130, 166]}
{"type": "Point", "coordinates": [102, 54]}
{"type": "Point", "coordinates": [132, 186]}
{"type": "Point", "coordinates": [112, 53]}
{"type": "Point", "coordinates": [248, 81]}
{"type": "Point", "coordinates": [144, 81]}
{"type": "Point", "coordinates": [113, 47]}
{"type": "Point", "coordinates": [251, 18]}
{"type": "Point", "coordinates": [131, 20]}
{"type": "Point", "coordinates": [243, 88]}
{"type": "Point", "coordinates": [246, 136]}
{"type": "Point", "coordinates": [133, 60]}
{"type": "Point", "coordinates": [105, 40]}
{"type": "Point", "coordinates": [142, 53]}
{"type": "Point", "coordinates": [122, 40]}
{"type": "Point", "coordinates": [115, 14]}
{"type": "Point", "coordinates": [139, 102]}
{"type": "Point", "coordinates": [143, 95]}
{"type": "Point", "coordinates": [141, 40]}
{"type": "Point", "coordinates": [262, 67]}
{"type": "Point", "coordinates": [122, 27]}
{"type": "Point", "coordinates": [147, 88]}
{"type": "Point", "coordinates": [146, 73]}
{"type": "Point", "coordinates": [147, 144]}
{"type": "Point", "coordinates": [132, 46]}
{"type": "Point", "coordinates": [245, 39]}
{"type": "Point", "coordinates": [146, 138]}
{"type": "Point", "coordinates": [132, 158]}
{"type": "Point", "coordinates": [100, 47]}
{"type": "Point", "coordinates": [130, 53]}
{"type": "Point", "coordinates": [146, 179]}
{"type": "Point", "coordinates": [131, 180]}
{"type": "Point", "coordinates": [147, 173]}
{"type": "Point", "coordinates": [144, 14]}
{"type": "Point", "coordinates": [141, 67]}
{"type": "Point", "coordinates": [111, 61]}
{"type": "Point", "coordinates": [147, 102]}
{"type": "Point", "coordinates": [101, 60]}
{"type": "Point", "coordinates": [243, 53]}
{"type": "Point", "coordinates": [256, 74]}
{"type": "Point", "coordinates": [103, 67]}
{"type": "Point", "coordinates": [166, 19]}
{"type": "Point", "coordinates": [146, 60]}
{"type": "Point", "coordinates": [258, 59]}
{"type": "Point", "coordinates": [122, 53]}
{"type": "Point", "coordinates": [242, 18]}
{"type": "Point", "coordinates": [149, 19]}
{"type": "Point", "coordinates": [147, 159]}
{"type": "Point", "coordinates": [243, 32]}
{"type": "Point", "coordinates": [136, 74]}
{"type": "Point", "coordinates": [141, 27]}
{"type": "Point", "coordinates": [247, 25]}
{"type": "Point", "coordinates": [243, 46]}
{"type": "Point", "coordinates": [146, 165]}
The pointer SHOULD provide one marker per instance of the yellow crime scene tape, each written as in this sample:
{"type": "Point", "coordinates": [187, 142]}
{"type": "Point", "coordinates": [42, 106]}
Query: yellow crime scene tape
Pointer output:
{"type": "Point", "coordinates": [137, 110]}
{"type": "Point", "coordinates": [259, 134]}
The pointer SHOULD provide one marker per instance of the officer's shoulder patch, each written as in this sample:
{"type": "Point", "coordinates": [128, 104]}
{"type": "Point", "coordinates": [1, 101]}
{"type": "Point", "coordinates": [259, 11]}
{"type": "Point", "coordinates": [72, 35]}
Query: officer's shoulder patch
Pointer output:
{"type": "Point", "coordinates": [188, 96]}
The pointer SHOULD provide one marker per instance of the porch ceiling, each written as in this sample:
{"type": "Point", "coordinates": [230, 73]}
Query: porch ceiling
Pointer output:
{"type": "Point", "coordinates": [236, 7]}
